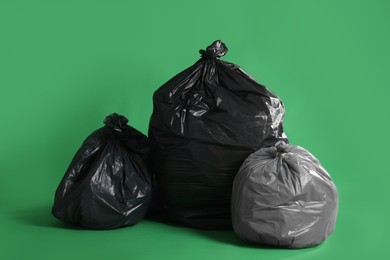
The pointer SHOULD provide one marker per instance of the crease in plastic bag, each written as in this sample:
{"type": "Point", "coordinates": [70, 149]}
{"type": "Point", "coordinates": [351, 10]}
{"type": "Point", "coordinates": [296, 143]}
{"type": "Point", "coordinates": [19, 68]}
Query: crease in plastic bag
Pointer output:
{"type": "Point", "coordinates": [108, 182]}
{"type": "Point", "coordinates": [206, 121]}
{"type": "Point", "coordinates": [282, 196]}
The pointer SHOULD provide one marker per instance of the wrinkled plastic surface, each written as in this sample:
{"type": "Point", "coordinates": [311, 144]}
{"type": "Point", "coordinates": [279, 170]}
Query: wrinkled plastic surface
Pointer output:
{"type": "Point", "coordinates": [206, 121]}
{"type": "Point", "coordinates": [108, 183]}
{"type": "Point", "coordinates": [282, 196]}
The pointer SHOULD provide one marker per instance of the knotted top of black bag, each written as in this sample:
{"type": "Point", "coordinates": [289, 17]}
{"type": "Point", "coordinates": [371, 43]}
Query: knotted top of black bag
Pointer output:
{"type": "Point", "coordinates": [118, 122]}
{"type": "Point", "coordinates": [216, 50]}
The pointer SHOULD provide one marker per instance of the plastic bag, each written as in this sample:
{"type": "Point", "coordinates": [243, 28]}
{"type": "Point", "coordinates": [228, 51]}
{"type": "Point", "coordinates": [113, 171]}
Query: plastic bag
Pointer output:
{"type": "Point", "coordinates": [282, 196]}
{"type": "Point", "coordinates": [107, 184]}
{"type": "Point", "coordinates": [206, 121]}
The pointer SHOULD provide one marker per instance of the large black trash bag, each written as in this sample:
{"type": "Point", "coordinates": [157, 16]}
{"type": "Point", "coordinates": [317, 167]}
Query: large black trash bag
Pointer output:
{"type": "Point", "coordinates": [282, 196]}
{"type": "Point", "coordinates": [206, 121]}
{"type": "Point", "coordinates": [108, 183]}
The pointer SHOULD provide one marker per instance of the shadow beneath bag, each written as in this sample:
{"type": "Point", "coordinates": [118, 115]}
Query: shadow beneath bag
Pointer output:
{"type": "Point", "coordinates": [222, 236]}
{"type": "Point", "coordinates": [229, 237]}
{"type": "Point", "coordinates": [41, 217]}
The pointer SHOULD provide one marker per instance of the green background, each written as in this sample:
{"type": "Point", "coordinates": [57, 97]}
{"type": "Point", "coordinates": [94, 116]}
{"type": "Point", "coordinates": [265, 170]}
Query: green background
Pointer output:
{"type": "Point", "coordinates": [65, 65]}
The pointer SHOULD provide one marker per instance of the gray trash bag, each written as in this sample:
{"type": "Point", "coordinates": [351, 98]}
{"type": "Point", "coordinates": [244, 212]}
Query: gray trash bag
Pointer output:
{"type": "Point", "coordinates": [282, 196]}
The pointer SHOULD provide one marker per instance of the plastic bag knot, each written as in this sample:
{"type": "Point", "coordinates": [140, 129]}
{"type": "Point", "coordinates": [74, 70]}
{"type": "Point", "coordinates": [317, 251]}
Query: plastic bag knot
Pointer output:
{"type": "Point", "coordinates": [116, 121]}
{"type": "Point", "coordinates": [216, 50]}
{"type": "Point", "coordinates": [282, 147]}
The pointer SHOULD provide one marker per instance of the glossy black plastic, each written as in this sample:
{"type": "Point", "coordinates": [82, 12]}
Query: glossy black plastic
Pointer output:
{"type": "Point", "coordinates": [206, 121]}
{"type": "Point", "coordinates": [108, 183]}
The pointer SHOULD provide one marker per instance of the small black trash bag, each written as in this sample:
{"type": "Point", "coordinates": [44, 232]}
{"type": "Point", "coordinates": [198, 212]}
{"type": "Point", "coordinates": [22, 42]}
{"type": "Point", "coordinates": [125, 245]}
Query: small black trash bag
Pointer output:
{"type": "Point", "coordinates": [206, 121]}
{"type": "Point", "coordinates": [283, 197]}
{"type": "Point", "coordinates": [108, 183]}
